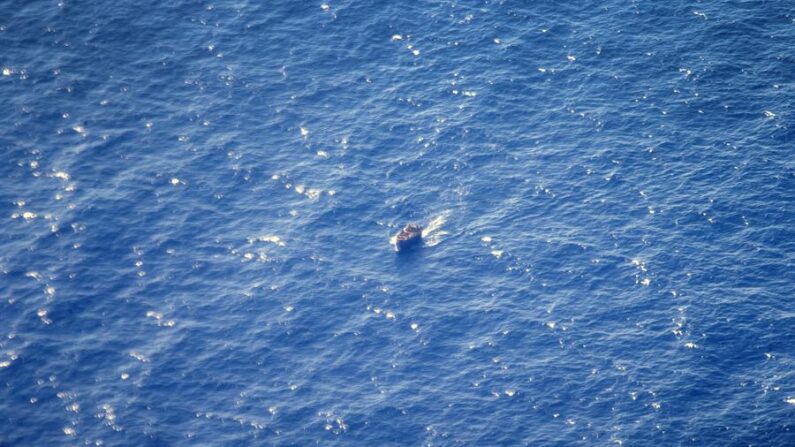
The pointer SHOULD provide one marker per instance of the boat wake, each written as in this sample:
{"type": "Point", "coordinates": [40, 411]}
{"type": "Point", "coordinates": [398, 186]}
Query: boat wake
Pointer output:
{"type": "Point", "coordinates": [433, 233]}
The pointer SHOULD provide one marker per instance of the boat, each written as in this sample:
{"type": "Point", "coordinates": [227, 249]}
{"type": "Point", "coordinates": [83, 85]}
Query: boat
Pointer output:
{"type": "Point", "coordinates": [408, 237]}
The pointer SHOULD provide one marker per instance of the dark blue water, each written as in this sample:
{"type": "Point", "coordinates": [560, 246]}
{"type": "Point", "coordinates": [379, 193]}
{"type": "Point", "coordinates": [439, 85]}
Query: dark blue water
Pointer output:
{"type": "Point", "coordinates": [196, 201]}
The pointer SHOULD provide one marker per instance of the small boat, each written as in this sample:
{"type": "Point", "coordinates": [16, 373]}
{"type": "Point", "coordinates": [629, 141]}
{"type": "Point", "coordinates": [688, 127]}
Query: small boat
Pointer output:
{"type": "Point", "coordinates": [408, 237]}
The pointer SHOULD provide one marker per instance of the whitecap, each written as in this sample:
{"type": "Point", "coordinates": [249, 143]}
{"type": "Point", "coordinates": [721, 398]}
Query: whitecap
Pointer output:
{"type": "Point", "coordinates": [138, 356]}
{"type": "Point", "coordinates": [272, 238]}
{"type": "Point", "coordinates": [42, 314]}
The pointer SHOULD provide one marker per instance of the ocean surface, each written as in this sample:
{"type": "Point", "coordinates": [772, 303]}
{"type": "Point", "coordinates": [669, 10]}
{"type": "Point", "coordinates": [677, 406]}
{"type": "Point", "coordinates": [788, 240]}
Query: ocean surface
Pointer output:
{"type": "Point", "coordinates": [197, 198]}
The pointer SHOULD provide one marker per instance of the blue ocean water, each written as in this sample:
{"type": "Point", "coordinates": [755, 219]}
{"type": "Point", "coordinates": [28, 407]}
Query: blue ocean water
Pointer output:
{"type": "Point", "coordinates": [197, 199]}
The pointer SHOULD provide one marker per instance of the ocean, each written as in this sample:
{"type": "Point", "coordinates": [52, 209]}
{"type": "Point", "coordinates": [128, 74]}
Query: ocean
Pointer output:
{"type": "Point", "coordinates": [197, 201]}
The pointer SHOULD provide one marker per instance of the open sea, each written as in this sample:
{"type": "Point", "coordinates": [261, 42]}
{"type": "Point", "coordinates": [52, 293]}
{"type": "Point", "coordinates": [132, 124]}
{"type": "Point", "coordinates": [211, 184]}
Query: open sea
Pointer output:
{"type": "Point", "coordinates": [197, 200]}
